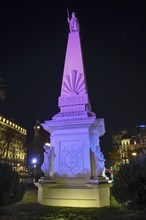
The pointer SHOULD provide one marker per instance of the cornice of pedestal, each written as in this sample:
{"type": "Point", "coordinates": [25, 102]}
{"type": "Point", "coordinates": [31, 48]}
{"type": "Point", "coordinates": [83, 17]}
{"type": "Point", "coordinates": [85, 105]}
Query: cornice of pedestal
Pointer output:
{"type": "Point", "coordinates": [91, 123]}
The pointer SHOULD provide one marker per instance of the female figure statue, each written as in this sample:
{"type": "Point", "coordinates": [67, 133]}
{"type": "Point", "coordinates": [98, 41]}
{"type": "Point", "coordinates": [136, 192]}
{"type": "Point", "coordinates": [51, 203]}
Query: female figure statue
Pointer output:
{"type": "Point", "coordinates": [47, 164]}
{"type": "Point", "coordinates": [100, 162]}
{"type": "Point", "coordinates": [73, 22]}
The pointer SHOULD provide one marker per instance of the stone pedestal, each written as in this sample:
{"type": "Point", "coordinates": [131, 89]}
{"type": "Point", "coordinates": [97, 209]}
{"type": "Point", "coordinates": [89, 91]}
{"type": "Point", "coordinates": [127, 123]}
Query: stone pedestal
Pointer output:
{"type": "Point", "coordinates": [92, 194]}
{"type": "Point", "coordinates": [74, 182]}
{"type": "Point", "coordinates": [74, 144]}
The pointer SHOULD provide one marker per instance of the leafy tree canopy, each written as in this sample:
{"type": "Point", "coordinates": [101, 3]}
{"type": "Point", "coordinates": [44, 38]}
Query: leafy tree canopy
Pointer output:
{"type": "Point", "coordinates": [129, 187]}
{"type": "Point", "coordinates": [11, 189]}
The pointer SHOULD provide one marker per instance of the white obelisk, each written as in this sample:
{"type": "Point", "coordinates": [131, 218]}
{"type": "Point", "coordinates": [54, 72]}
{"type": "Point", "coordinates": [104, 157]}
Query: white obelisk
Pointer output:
{"type": "Point", "coordinates": [74, 138]}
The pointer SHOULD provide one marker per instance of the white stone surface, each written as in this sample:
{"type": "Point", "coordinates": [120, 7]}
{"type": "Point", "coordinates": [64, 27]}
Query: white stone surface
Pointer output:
{"type": "Point", "coordinates": [75, 140]}
{"type": "Point", "coordinates": [73, 195]}
{"type": "Point", "coordinates": [47, 166]}
{"type": "Point", "coordinates": [74, 134]}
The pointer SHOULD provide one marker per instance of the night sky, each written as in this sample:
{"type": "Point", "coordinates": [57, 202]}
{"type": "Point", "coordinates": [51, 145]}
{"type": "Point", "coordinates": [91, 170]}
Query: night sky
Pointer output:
{"type": "Point", "coordinates": [33, 39]}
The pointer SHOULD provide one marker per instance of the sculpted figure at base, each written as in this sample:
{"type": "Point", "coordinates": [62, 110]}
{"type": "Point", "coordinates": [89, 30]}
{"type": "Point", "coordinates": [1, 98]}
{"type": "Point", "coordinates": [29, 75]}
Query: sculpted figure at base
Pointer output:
{"type": "Point", "coordinates": [100, 162]}
{"type": "Point", "coordinates": [47, 164]}
{"type": "Point", "coordinates": [73, 22]}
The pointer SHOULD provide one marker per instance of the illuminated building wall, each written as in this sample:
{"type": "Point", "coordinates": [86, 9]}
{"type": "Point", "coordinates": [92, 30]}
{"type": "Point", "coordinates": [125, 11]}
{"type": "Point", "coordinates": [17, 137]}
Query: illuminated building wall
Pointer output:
{"type": "Point", "coordinates": [129, 147]}
{"type": "Point", "coordinates": [12, 144]}
{"type": "Point", "coordinates": [125, 149]}
{"type": "Point", "coordinates": [117, 137]}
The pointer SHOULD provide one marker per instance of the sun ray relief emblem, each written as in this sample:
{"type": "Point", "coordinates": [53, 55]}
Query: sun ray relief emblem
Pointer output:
{"type": "Point", "coordinates": [74, 84]}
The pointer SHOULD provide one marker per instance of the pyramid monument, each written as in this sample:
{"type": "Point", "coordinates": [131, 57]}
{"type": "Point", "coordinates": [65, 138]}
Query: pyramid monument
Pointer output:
{"type": "Point", "coordinates": [74, 168]}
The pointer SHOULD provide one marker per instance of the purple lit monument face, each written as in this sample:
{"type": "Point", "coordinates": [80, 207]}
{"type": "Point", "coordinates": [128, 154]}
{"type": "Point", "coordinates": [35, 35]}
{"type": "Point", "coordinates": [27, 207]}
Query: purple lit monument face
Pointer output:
{"type": "Point", "coordinates": [73, 100]}
{"type": "Point", "coordinates": [75, 131]}
{"type": "Point", "coordinates": [73, 162]}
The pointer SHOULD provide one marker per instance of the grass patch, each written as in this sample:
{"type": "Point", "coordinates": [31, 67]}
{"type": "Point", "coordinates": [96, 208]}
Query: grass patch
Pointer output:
{"type": "Point", "coordinates": [29, 209]}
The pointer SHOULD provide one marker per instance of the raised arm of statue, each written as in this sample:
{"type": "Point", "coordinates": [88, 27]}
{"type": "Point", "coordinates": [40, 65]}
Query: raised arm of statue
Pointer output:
{"type": "Point", "coordinates": [73, 22]}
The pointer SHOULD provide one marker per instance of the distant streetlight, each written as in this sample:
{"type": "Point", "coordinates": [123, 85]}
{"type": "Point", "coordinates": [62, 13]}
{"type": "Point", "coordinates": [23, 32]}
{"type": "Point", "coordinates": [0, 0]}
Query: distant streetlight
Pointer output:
{"type": "Point", "coordinates": [34, 161]}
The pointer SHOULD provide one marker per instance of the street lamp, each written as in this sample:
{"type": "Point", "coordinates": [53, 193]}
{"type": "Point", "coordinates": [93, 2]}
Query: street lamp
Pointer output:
{"type": "Point", "coordinates": [34, 162]}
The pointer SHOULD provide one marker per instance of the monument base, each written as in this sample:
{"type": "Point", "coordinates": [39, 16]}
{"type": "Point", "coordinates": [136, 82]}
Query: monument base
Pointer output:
{"type": "Point", "coordinates": [92, 194]}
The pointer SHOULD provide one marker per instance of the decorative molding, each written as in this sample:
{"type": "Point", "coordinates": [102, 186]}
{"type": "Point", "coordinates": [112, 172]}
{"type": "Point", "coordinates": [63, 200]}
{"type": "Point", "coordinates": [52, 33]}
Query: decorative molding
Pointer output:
{"type": "Point", "coordinates": [74, 84]}
{"type": "Point", "coordinates": [71, 158]}
{"type": "Point", "coordinates": [70, 115]}
{"type": "Point", "coordinates": [73, 100]}
{"type": "Point", "coordinates": [74, 108]}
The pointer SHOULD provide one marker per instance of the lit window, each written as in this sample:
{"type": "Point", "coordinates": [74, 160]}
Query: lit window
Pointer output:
{"type": "Point", "coordinates": [134, 154]}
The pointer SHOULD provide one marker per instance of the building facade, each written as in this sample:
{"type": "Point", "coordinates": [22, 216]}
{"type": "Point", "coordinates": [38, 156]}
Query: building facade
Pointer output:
{"type": "Point", "coordinates": [126, 147]}
{"type": "Point", "coordinates": [12, 144]}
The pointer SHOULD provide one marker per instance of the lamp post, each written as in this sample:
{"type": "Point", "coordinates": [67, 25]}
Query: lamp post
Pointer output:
{"type": "Point", "coordinates": [34, 168]}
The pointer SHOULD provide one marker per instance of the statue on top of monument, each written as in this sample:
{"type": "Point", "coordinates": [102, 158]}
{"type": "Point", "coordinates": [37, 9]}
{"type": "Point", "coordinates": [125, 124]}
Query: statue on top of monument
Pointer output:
{"type": "Point", "coordinates": [47, 164]}
{"type": "Point", "coordinates": [73, 22]}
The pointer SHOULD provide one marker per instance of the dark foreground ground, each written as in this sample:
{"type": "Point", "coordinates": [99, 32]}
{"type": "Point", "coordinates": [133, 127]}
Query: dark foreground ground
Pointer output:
{"type": "Point", "coordinates": [28, 209]}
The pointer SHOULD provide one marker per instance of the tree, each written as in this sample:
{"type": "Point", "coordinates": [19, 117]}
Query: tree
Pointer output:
{"type": "Point", "coordinates": [115, 159]}
{"type": "Point", "coordinates": [11, 189]}
{"type": "Point", "coordinates": [129, 187]}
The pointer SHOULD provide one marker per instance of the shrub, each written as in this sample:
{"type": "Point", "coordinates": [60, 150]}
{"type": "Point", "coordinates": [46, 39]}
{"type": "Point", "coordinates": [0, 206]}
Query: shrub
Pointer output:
{"type": "Point", "coordinates": [129, 187]}
{"type": "Point", "coordinates": [11, 189]}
